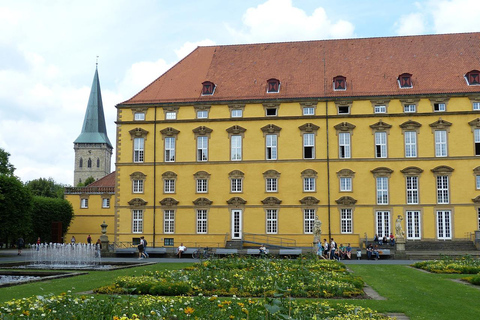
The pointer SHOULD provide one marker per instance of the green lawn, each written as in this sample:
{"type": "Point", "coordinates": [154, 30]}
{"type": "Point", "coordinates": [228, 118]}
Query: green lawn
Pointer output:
{"type": "Point", "coordinates": [418, 294]}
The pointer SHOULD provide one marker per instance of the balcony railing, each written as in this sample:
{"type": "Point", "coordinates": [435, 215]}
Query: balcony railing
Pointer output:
{"type": "Point", "coordinates": [80, 190]}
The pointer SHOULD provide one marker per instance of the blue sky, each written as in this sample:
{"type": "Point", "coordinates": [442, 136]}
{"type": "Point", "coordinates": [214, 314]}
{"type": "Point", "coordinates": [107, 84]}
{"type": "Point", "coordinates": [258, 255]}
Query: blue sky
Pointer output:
{"type": "Point", "coordinates": [48, 51]}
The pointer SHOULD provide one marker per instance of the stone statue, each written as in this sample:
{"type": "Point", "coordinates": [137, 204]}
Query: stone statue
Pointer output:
{"type": "Point", "coordinates": [398, 227]}
{"type": "Point", "coordinates": [317, 228]}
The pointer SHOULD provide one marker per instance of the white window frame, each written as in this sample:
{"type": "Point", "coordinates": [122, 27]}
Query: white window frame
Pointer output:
{"type": "Point", "coordinates": [441, 149]}
{"type": "Point", "coordinates": [476, 145]}
{"type": "Point", "coordinates": [343, 109]}
{"type": "Point", "coordinates": [412, 189]}
{"type": "Point", "coordinates": [139, 116]}
{"type": "Point", "coordinates": [138, 150]}
{"type": "Point", "coordinates": [309, 145]}
{"type": "Point", "coordinates": [137, 186]}
{"type": "Point", "coordinates": [309, 184]}
{"type": "Point", "coordinates": [476, 106]}
{"type": "Point", "coordinates": [202, 148]}
{"type": "Point", "coordinates": [170, 115]}
{"type": "Point", "coordinates": [84, 203]}
{"type": "Point", "coordinates": [409, 108]}
{"type": "Point", "coordinates": [169, 186]}
{"type": "Point", "coordinates": [169, 221]}
{"type": "Point", "coordinates": [308, 220]}
{"type": "Point", "coordinates": [236, 148]}
{"type": "Point", "coordinates": [236, 185]}
{"type": "Point", "coordinates": [170, 149]}
{"type": "Point", "coordinates": [346, 184]}
{"type": "Point", "coordinates": [413, 225]}
{"type": "Point", "coordinates": [308, 111]}
{"type": "Point", "coordinates": [346, 220]}
{"type": "Point", "coordinates": [271, 147]}
{"type": "Point", "coordinates": [477, 183]}
{"type": "Point", "coordinates": [443, 192]}
{"type": "Point", "coordinates": [380, 144]}
{"type": "Point", "coordinates": [271, 184]}
{"type": "Point", "coordinates": [202, 221]}
{"type": "Point", "coordinates": [382, 221]}
{"type": "Point", "coordinates": [380, 109]}
{"type": "Point", "coordinates": [272, 110]}
{"type": "Point", "coordinates": [106, 203]}
{"type": "Point", "coordinates": [439, 107]}
{"type": "Point", "coordinates": [344, 145]}
{"type": "Point", "coordinates": [202, 114]}
{"type": "Point", "coordinates": [137, 221]}
{"type": "Point", "coordinates": [236, 113]}
{"type": "Point", "coordinates": [382, 190]}
{"type": "Point", "coordinates": [444, 224]}
{"type": "Point", "coordinates": [201, 185]}
{"type": "Point", "coordinates": [271, 221]}
{"type": "Point", "coordinates": [411, 148]}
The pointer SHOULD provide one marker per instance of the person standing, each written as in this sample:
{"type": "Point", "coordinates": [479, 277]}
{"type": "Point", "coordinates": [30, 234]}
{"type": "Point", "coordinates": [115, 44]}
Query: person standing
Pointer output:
{"type": "Point", "coordinates": [73, 240]}
{"type": "Point", "coordinates": [89, 239]}
{"type": "Point", "coordinates": [20, 245]}
{"type": "Point", "coordinates": [333, 247]}
{"type": "Point", "coordinates": [38, 243]}
{"type": "Point", "coordinates": [144, 243]}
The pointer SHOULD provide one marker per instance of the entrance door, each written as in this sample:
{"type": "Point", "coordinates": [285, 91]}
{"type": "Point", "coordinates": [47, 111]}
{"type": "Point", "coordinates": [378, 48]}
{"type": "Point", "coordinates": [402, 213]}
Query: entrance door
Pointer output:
{"type": "Point", "coordinates": [444, 225]}
{"type": "Point", "coordinates": [383, 224]}
{"type": "Point", "coordinates": [413, 225]}
{"type": "Point", "coordinates": [236, 224]}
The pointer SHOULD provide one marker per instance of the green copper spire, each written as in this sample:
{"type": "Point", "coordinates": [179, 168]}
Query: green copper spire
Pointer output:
{"type": "Point", "coordinates": [94, 129]}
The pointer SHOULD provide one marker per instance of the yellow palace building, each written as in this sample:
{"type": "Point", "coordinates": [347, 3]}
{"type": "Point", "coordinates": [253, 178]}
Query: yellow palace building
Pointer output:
{"type": "Point", "coordinates": [252, 142]}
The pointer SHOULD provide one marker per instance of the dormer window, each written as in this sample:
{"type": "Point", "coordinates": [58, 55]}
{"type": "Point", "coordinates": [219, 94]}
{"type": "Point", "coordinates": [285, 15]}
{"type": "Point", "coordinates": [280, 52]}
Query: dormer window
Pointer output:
{"type": "Point", "coordinates": [339, 83]}
{"type": "Point", "coordinates": [405, 80]}
{"type": "Point", "coordinates": [473, 78]}
{"type": "Point", "coordinates": [208, 88]}
{"type": "Point", "coordinates": [273, 86]}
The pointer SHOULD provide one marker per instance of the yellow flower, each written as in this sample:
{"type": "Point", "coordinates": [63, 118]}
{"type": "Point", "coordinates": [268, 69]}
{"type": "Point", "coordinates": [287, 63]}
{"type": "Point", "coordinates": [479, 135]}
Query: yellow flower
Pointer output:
{"type": "Point", "coordinates": [26, 313]}
{"type": "Point", "coordinates": [188, 310]}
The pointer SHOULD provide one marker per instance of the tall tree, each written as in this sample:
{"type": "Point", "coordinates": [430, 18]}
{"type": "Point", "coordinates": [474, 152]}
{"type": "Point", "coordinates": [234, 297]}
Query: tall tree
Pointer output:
{"type": "Point", "coordinates": [45, 188]}
{"type": "Point", "coordinates": [5, 166]}
{"type": "Point", "coordinates": [49, 210]}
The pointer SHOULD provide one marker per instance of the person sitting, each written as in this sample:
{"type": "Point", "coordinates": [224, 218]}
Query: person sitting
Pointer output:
{"type": "Point", "coordinates": [342, 251]}
{"type": "Point", "coordinates": [262, 250]}
{"type": "Point", "coordinates": [376, 253]}
{"type": "Point", "coordinates": [369, 251]}
{"type": "Point", "coordinates": [348, 252]}
{"type": "Point", "coordinates": [384, 240]}
{"type": "Point", "coordinates": [181, 249]}
{"type": "Point", "coordinates": [375, 239]}
{"type": "Point", "coordinates": [392, 239]}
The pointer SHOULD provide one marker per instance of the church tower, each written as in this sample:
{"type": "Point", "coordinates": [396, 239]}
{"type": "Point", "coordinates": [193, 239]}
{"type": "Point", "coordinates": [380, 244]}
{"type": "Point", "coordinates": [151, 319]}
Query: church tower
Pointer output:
{"type": "Point", "coordinates": [93, 150]}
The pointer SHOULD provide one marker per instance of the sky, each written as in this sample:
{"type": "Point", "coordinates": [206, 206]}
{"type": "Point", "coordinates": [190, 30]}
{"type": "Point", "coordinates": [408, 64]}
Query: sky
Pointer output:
{"type": "Point", "coordinates": [49, 50]}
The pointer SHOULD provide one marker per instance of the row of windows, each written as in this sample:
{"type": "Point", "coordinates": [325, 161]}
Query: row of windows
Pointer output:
{"type": "Point", "coordinates": [410, 133]}
{"type": "Point", "coordinates": [105, 203]}
{"type": "Point", "coordinates": [383, 222]}
{"type": "Point", "coordinates": [342, 109]}
{"type": "Point", "coordinates": [89, 163]}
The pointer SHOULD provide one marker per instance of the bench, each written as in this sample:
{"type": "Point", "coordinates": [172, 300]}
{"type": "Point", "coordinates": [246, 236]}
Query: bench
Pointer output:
{"type": "Point", "coordinates": [254, 252]}
{"type": "Point", "coordinates": [156, 251]}
{"type": "Point", "coordinates": [131, 250]}
{"type": "Point", "coordinates": [189, 251]}
{"type": "Point", "coordinates": [224, 252]}
{"type": "Point", "coordinates": [290, 252]}
{"type": "Point", "coordinates": [384, 252]}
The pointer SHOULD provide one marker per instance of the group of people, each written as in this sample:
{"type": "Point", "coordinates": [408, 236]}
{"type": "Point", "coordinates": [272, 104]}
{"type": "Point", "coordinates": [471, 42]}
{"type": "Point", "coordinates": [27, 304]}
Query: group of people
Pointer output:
{"type": "Point", "coordinates": [331, 250]}
{"type": "Point", "coordinates": [142, 249]}
{"type": "Point", "coordinates": [380, 241]}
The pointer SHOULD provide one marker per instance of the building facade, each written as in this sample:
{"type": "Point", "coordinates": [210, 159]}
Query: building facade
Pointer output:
{"type": "Point", "coordinates": [244, 141]}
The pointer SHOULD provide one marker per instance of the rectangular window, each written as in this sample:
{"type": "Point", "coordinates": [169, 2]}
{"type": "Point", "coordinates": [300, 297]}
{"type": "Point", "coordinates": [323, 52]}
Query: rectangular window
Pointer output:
{"type": "Point", "coordinates": [139, 116]}
{"type": "Point", "coordinates": [236, 185]}
{"type": "Point", "coordinates": [271, 184]}
{"type": "Point", "coordinates": [343, 109]}
{"type": "Point", "coordinates": [271, 112]}
{"type": "Point", "coordinates": [308, 184]}
{"type": "Point", "coordinates": [344, 145]}
{"type": "Point", "coordinates": [413, 225]}
{"type": "Point", "coordinates": [442, 190]}
{"type": "Point", "coordinates": [170, 149]}
{"type": "Point", "coordinates": [137, 221]}
{"type": "Point", "coordinates": [169, 186]}
{"type": "Point", "coordinates": [308, 220]}
{"type": "Point", "coordinates": [202, 186]}
{"type": "Point", "coordinates": [137, 186]}
{"type": "Point", "coordinates": [476, 106]}
{"type": "Point", "coordinates": [409, 108]}
{"type": "Point", "coordinates": [236, 148]}
{"type": "Point", "coordinates": [84, 203]}
{"type": "Point", "coordinates": [380, 144]}
{"type": "Point", "coordinates": [346, 220]}
{"type": "Point", "coordinates": [169, 221]}
{"type": "Point", "coordinates": [383, 224]}
{"type": "Point", "coordinates": [308, 111]}
{"type": "Point", "coordinates": [106, 203]}
{"type": "Point", "coordinates": [345, 184]}
{"type": "Point", "coordinates": [272, 221]}
{"type": "Point", "coordinates": [309, 146]}
{"type": "Point", "coordinates": [382, 190]}
{"type": "Point", "coordinates": [202, 114]}
{"type": "Point", "coordinates": [477, 183]}
{"type": "Point", "coordinates": [237, 113]}
{"type": "Point", "coordinates": [444, 225]}
{"type": "Point", "coordinates": [476, 133]}
{"type": "Point", "coordinates": [202, 221]}
{"type": "Point", "coordinates": [412, 190]}
{"type": "Point", "coordinates": [440, 143]}
{"type": "Point", "coordinates": [271, 143]}
{"type": "Point", "coordinates": [410, 144]}
{"type": "Point", "coordinates": [380, 109]}
{"type": "Point", "coordinates": [439, 107]}
{"type": "Point", "coordinates": [202, 148]}
{"type": "Point", "coordinates": [171, 115]}
{"type": "Point", "coordinates": [138, 149]}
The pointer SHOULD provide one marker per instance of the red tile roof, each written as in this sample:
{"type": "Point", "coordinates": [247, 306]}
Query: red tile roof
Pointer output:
{"type": "Point", "coordinates": [371, 66]}
{"type": "Point", "coordinates": [107, 181]}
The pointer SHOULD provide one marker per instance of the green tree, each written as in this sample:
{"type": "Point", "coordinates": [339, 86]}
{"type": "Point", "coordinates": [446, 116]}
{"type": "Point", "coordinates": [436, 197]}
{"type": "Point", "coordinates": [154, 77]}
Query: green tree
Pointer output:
{"type": "Point", "coordinates": [86, 182]}
{"type": "Point", "coordinates": [5, 166]}
{"type": "Point", "coordinates": [15, 208]}
{"type": "Point", "coordinates": [45, 188]}
{"type": "Point", "coordinates": [49, 210]}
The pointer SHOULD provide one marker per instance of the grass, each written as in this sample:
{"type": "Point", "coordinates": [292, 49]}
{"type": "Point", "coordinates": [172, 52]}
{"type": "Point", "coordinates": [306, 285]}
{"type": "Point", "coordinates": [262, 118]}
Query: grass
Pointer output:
{"type": "Point", "coordinates": [418, 294]}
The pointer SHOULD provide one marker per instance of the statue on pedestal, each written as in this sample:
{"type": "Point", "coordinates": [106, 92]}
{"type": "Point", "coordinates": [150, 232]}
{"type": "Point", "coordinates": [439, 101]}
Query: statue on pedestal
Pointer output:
{"type": "Point", "coordinates": [399, 233]}
{"type": "Point", "coordinates": [317, 230]}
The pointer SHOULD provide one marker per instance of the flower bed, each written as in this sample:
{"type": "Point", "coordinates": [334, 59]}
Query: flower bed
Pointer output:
{"type": "Point", "coordinates": [247, 277]}
{"type": "Point", "coordinates": [464, 265]}
{"type": "Point", "coordinates": [68, 306]}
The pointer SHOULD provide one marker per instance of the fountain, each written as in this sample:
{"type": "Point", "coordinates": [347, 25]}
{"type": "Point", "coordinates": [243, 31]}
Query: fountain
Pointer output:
{"type": "Point", "coordinates": [65, 256]}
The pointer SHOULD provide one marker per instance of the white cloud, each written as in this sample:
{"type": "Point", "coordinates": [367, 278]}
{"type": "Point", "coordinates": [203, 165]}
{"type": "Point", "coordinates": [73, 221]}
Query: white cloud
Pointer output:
{"type": "Point", "coordinates": [411, 24]}
{"type": "Point", "coordinates": [455, 15]}
{"type": "Point", "coordinates": [279, 20]}
{"type": "Point", "coordinates": [190, 46]}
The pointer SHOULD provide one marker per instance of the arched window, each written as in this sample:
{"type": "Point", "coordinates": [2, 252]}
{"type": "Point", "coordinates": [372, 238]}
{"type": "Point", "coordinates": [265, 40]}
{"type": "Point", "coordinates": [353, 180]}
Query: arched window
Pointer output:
{"type": "Point", "coordinates": [89, 163]}
{"type": "Point", "coordinates": [80, 163]}
{"type": "Point", "coordinates": [98, 162]}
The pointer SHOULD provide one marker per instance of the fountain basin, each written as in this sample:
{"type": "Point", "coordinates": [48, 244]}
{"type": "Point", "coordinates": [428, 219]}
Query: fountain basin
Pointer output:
{"type": "Point", "coordinates": [13, 278]}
